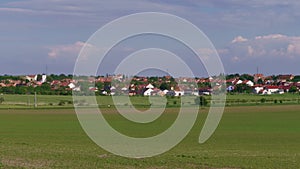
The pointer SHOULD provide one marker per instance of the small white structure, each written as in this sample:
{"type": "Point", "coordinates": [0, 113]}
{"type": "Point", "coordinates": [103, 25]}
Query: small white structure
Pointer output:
{"type": "Point", "coordinates": [165, 91]}
{"type": "Point", "coordinates": [179, 93]}
{"type": "Point", "coordinates": [258, 89]}
{"type": "Point", "coordinates": [44, 78]}
{"type": "Point", "coordinates": [77, 89]}
{"type": "Point", "coordinates": [71, 85]}
{"type": "Point", "coordinates": [149, 86]}
{"type": "Point", "coordinates": [249, 83]}
{"type": "Point", "coordinates": [236, 82]}
{"type": "Point", "coordinates": [148, 92]}
{"type": "Point", "coordinates": [31, 78]}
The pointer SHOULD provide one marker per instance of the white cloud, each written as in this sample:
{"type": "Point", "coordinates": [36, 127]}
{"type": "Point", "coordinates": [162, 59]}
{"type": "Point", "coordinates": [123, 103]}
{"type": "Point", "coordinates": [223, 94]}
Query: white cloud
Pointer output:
{"type": "Point", "coordinates": [239, 39]}
{"type": "Point", "coordinates": [70, 50]}
{"type": "Point", "coordinates": [266, 46]}
{"type": "Point", "coordinates": [271, 36]}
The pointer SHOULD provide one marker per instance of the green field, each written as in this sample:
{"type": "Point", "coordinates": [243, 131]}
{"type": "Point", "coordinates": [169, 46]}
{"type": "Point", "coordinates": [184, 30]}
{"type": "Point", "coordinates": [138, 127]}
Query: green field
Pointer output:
{"type": "Point", "coordinates": [247, 137]}
{"type": "Point", "coordinates": [56, 101]}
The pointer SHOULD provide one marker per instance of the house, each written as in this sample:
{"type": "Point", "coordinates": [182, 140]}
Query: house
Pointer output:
{"type": "Point", "coordinates": [31, 78]}
{"type": "Point", "coordinates": [149, 86]}
{"type": "Point", "coordinates": [248, 82]}
{"type": "Point", "coordinates": [113, 90]}
{"type": "Point", "coordinates": [71, 85]}
{"type": "Point", "coordinates": [179, 93]}
{"type": "Point", "coordinates": [148, 92]}
{"type": "Point", "coordinates": [258, 76]}
{"type": "Point", "coordinates": [271, 89]}
{"type": "Point", "coordinates": [44, 78]}
{"type": "Point", "coordinates": [205, 91]}
{"type": "Point", "coordinates": [284, 78]}
{"type": "Point", "coordinates": [230, 88]}
{"type": "Point", "coordinates": [258, 89]}
{"type": "Point", "coordinates": [237, 81]}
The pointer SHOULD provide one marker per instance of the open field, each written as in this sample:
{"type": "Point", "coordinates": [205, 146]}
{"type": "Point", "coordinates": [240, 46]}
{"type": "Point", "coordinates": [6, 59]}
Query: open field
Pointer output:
{"type": "Point", "coordinates": [57, 101]}
{"type": "Point", "coordinates": [247, 137]}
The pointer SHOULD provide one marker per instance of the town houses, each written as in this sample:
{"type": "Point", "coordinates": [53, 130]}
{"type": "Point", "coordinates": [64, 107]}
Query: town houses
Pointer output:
{"type": "Point", "coordinates": [149, 86]}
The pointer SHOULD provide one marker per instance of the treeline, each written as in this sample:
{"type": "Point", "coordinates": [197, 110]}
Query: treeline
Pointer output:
{"type": "Point", "coordinates": [44, 89]}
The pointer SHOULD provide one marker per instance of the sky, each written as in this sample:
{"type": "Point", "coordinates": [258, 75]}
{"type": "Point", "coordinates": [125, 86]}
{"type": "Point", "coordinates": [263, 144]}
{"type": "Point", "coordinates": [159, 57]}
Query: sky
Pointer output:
{"type": "Point", "coordinates": [39, 36]}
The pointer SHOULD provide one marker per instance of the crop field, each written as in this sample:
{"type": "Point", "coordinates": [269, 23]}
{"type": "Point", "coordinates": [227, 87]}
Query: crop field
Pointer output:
{"type": "Point", "coordinates": [265, 136]}
{"type": "Point", "coordinates": [56, 101]}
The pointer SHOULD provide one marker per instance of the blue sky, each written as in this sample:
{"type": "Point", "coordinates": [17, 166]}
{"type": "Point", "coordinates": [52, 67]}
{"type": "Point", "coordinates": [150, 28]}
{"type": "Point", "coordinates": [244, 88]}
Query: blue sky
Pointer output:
{"type": "Point", "coordinates": [247, 34]}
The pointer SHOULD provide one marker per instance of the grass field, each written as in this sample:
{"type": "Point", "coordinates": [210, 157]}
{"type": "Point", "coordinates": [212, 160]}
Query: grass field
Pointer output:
{"type": "Point", "coordinates": [54, 101]}
{"type": "Point", "coordinates": [247, 137]}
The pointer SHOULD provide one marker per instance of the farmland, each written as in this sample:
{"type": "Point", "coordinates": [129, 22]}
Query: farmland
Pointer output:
{"type": "Point", "coordinates": [58, 101]}
{"type": "Point", "coordinates": [262, 136]}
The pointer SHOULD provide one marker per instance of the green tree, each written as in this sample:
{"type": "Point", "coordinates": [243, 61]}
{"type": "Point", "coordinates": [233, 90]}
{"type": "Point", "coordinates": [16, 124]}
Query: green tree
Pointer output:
{"type": "Point", "coordinates": [260, 81]}
{"type": "Point", "coordinates": [164, 86]}
{"type": "Point", "coordinates": [242, 88]}
{"type": "Point", "coordinates": [201, 101]}
{"type": "Point", "coordinates": [293, 89]}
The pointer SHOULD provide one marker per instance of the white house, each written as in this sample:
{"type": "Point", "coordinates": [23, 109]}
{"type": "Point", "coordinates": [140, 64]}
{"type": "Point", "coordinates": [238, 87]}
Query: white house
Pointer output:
{"type": "Point", "coordinates": [179, 93]}
{"type": "Point", "coordinates": [165, 91]}
{"type": "Point", "coordinates": [258, 89]}
{"type": "Point", "coordinates": [149, 86]}
{"type": "Point", "coordinates": [71, 85]}
{"type": "Point", "coordinates": [148, 92]}
{"type": "Point", "coordinates": [31, 77]}
{"type": "Point", "coordinates": [249, 83]}
{"type": "Point", "coordinates": [238, 81]}
{"type": "Point", "coordinates": [44, 78]}
{"type": "Point", "coordinates": [271, 89]}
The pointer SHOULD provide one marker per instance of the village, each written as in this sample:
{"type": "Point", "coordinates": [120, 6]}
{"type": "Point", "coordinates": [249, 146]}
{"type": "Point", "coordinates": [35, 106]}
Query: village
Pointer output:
{"type": "Point", "coordinates": [146, 86]}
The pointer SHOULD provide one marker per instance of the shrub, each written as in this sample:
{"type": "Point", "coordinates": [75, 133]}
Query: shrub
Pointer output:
{"type": "Point", "coordinates": [275, 101]}
{"type": "Point", "coordinates": [201, 101]}
{"type": "Point", "coordinates": [1, 100]}
{"type": "Point", "coordinates": [263, 100]}
{"type": "Point", "coordinates": [61, 103]}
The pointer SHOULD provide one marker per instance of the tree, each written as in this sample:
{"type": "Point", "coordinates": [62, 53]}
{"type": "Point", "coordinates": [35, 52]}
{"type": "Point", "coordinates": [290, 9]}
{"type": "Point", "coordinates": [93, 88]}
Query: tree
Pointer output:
{"type": "Point", "coordinates": [247, 77]}
{"type": "Point", "coordinates": [201, 101]}
{"type": "Point", "coordinates": [293, 89]}
{"type": "Point", "coordinates": [260, 81]}
{"type": "Point", "coordinates": [242, 88]}
{"type": "Point", "coordinates": [164, 86]}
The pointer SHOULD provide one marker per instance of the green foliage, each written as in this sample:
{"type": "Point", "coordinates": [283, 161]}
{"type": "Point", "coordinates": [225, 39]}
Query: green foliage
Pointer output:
{"type": "Point", "coordinates": [296, 79]}
{"type": "Point", "coordinates": [293, 89]}
{"type": "Point", "coordinates": [243, 88]}
{"type": "Point", "coordinates": [164, 86]}
{"type": "Point", "coordinates": [202, 101]}
{"type": "Point", "coordinates": [1, 100]}
{"type": "Point", "coordinates": [247, 77]}
{"type": "Point", "coordinates": [263, 100]}
{"type": "Point", "coordinates": [260, 81]}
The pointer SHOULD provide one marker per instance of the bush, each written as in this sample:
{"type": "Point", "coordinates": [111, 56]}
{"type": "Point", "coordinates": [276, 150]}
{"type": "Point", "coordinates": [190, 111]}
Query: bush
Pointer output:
{"type": "Point", "coordinates": [61, 103]}
{"type": "Point", "coordinates": [1, 100]}
{"type": "Point", "coordinates": [263, 100]}
{"type": "Point", "coordinates": [275, 101]}
{"type": "Point", "coordinates": [201, 101]}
